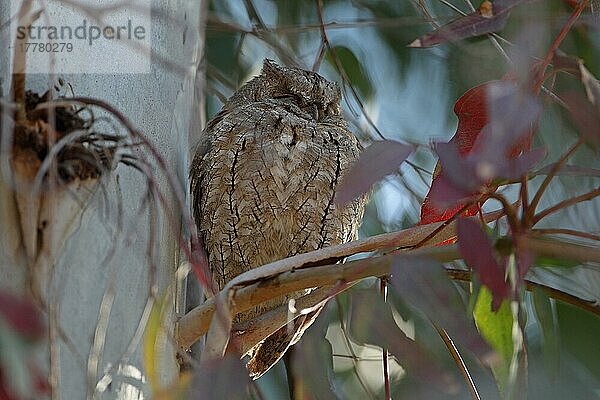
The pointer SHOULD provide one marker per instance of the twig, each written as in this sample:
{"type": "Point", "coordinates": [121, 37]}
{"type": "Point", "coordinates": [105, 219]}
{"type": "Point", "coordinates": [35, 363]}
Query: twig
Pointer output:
{"type": "Point", "coordinates": [590, 306]}
{"type": "Point", "coordinates": [444, 224]}
{"type": "Point", "coordinates": [459, 362]}
{"type": "Point", "coordinates": [555, 168]}
{"type": "Point", "coordinates": [508, 208]}
{"type": "Point", "coordinates": [200, 267]}
{"type": "Point", "coordinates": [563, 231]}
{"type": "Point", "coordinates": [565, 203]}
{"type": "Point", "coordinates": [403, 239]}
{"type": "Point", "coordinates": [353, 355]}
{"type": "Point", "coordinates": [384, 354]}
{"type": "Point", "coordinates": [557, 41]}
{"type": "Point", "coordinates": [340, 69]}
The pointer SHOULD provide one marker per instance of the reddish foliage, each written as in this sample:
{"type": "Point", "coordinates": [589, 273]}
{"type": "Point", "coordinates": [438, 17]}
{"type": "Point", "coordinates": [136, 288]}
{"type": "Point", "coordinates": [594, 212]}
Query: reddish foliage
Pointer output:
{"type": "Point", "coordinates": [478, 253]}
{"type": "Point", "coordinates": [431, 214]}
{"type": "Point", "coordinates": [21, 315]}
{"type": "Point", "coordinates": [490, 17]}
{"type": "Point", "coordinates": [492, 140]}
{"type": "Point", "coordinates": [471, 110]}
{"type": "Point", "coordinates": [380, 159]}
{"type": "Point", "coordinates": [585, 116]}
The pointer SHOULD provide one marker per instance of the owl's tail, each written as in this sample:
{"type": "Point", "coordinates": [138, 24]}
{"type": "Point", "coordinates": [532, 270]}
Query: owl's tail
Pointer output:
{"type": "Point", "coordinates": [266, 354]}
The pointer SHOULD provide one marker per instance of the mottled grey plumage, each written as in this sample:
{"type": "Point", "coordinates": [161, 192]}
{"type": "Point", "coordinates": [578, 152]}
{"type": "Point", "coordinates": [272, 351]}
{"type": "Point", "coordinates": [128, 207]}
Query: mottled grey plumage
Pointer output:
{"type": "Point", "coordinates": [263, 180]}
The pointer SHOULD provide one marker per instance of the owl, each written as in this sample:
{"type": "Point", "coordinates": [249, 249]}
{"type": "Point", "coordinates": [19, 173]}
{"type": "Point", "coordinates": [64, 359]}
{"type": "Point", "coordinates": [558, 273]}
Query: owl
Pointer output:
{"type": "Point", "coordinates": [263, 180]}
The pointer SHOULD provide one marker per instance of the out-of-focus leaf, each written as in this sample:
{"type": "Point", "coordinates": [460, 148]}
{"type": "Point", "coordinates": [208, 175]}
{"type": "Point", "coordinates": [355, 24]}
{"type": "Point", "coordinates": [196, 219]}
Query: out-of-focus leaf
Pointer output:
{"type": "Point", "coordinates": [16, 379]}
{"type": "Point", "coordinates": [430, 213]}
{"type": "Point", "coordinates": [585, 116]}
{"type": "Point", "coordinates": [477, 252]}
{"type": "Point", "coordinates": [425, 286]}
{"type": "Point", "coordinates": [578, 331]}
{"type": "Point", "coordinates": [217, 337]}
{"type": "Point", "coordinates": [19, 376]}
{"type": "Point", "coordinates": [581, 281]}
{"type": "Point", "coordinates": [353, 68]}
{"type": "Point", "coordinates": [496, 328]}
{"type": "Point", "coordinates": [178, 390]}
{"type": "Point", "coordinates": [371, 322]}
{"type": "Point", "coordinates": [554, 262]}
{"type": "Point", "coordinates": [223, 378]}
{"type": "Point", "coordinates": [313, 363]}
{"type": "Point", "coordinates": [472, 112]}
{"type": "Point", "coordinates": [591, 84]}
{"type": "Point", "coordinates": [21, 315]}
{"type": "Point", "coordinates": [490, 17]}
{"type": "Point", "coordinates": [546, 316]}
{"type": "Point", "coordinates": [380, 159]}
{"type": "Point", "coordinates": [576, 66]}
{"type": "Point", "coordinates": [512, 111]}
{"type": "Point", "coordinates": [154, 336]}
{"type": "Point", "coordinates": [524, 259]}
{"type": "Point", "coordinates": [499, 150]}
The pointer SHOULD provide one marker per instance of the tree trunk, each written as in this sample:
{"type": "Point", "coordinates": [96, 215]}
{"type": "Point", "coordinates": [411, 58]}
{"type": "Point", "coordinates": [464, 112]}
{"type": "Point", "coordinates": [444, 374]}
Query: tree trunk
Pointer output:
{"type": "Point", "coordinates": [119, 255]}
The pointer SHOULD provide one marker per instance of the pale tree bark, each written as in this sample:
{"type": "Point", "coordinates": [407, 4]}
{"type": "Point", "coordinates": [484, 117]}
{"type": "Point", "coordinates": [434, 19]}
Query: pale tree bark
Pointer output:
{"type": "Point", "coordinates": [118, 254]}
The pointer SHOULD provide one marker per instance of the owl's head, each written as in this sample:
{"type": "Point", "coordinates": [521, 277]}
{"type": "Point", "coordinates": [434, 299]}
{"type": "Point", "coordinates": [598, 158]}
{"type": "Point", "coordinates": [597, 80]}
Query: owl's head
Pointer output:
{"type": "Point", "coordinates": [306, 89]}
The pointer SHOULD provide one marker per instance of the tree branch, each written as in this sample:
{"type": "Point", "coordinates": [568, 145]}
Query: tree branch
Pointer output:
{"type": "Point", "coordinates": [195, 323]}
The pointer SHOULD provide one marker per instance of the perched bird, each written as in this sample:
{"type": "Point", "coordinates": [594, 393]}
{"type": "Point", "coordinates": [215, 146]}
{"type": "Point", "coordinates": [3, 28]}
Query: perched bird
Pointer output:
{"type": "Point", "coordinates": [263, 180]}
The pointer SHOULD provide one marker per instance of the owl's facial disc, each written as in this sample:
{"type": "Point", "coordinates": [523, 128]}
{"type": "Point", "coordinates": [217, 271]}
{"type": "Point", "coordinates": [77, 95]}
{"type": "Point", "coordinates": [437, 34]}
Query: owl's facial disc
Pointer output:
{"type": "Point", "coordinates": [308, 90]}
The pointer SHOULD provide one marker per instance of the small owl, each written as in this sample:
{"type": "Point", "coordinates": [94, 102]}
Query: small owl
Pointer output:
{"type": "Point", "coordinates": [263, 181]}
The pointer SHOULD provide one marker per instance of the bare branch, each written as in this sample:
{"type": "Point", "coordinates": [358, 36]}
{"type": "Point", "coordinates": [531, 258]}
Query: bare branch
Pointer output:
{"type": "Point", "coordinates": [299, 276]}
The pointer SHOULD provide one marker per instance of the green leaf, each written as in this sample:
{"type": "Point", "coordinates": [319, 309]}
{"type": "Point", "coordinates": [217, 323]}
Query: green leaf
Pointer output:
{"type": "Point", "coordinates": [353, 68]}
{"type": "Point", "coordinates": [496, 329]}
{"type": "Point", "coordinates": [154, 341]}
{"type": "Point", "coordinates": [550, 341]}
{"type": "Point", "coordinates": [555, 262]}
{"type": "Point", "coordinates": [579, 331]}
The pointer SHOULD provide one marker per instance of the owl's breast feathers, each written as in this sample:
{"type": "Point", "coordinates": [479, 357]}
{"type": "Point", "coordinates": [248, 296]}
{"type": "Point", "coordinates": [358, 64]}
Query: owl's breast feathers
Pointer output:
{"type": "Point", "coordinates": [264, 187]}
{"type": "Point", "coordinates": [263, 181]}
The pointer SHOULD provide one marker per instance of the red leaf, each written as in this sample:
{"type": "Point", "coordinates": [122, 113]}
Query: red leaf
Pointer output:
{"type": "Point", "coordinates": [380, 159]}
{"type": "Point", "coordinates": [477, 252]}
{"type": "Point", "coordinates": [490, 17]}
{"type": "Point", "coordinates": [431, 214]}
{"type": "Point", "coordinates": [21, 315]}
{"type": "Point", "coordinates": [471, 110]}
{"type": "Point", "coordinates": [492, 139]}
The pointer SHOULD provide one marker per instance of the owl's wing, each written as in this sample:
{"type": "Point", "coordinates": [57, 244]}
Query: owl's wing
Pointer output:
{"type": "Point", "coordinates": [196, 170]}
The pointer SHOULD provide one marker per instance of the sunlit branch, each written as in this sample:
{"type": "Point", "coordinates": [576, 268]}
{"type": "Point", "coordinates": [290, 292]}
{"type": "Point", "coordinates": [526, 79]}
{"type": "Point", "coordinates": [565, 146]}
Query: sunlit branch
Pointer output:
{"type": "Point", "coordinates": [300, 276]}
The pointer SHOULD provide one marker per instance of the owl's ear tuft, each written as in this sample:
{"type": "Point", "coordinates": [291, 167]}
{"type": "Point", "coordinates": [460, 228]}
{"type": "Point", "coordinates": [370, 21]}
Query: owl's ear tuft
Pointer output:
{"type": "Point", "coordinates": [270, 68]}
